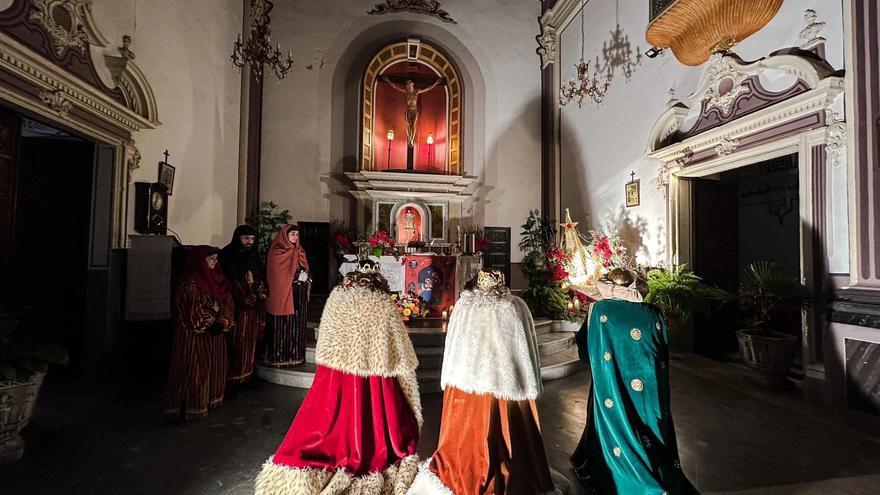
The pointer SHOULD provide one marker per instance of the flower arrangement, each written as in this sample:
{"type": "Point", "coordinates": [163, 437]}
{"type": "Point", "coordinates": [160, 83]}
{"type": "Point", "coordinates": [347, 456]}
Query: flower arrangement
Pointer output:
{"type": "Point", "coordinates": [578, 306]}
{"type": "Point", "coordinates": [409, 306]}
{"type": "Point", "coordinates": [544, 267]}
{"type": "Point", "coordinates": [343, 240]}
{"type": "Point", "coordinates": [607, 250]}
{"type": "Point", "coordinates": [482, 244]}
{"type": "Point", "coordinates": [382, 243]}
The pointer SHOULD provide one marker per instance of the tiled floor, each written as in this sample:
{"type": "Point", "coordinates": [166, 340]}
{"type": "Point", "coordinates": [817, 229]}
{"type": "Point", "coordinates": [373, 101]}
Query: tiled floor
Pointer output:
{"type": "Point", "coordinates": [112, 440]}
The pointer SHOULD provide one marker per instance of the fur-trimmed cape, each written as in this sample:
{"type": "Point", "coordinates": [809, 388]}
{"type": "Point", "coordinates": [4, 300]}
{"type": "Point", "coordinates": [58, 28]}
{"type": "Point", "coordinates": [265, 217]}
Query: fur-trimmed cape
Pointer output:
{"type": "Point", "coordinates": [361, 333]}
{"type": "Point", "coordinates": [491, 347]}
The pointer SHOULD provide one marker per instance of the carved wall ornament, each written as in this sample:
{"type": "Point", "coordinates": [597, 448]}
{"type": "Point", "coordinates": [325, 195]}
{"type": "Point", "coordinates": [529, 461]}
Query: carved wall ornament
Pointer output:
{"type": "Point", "coordinates": [57, 101]}
{"type": "Point", "coordinates": [726, 84]}
{"type": "Point", "coordinates": [663, 179]}
{"type": "Point", "coordinates": [63, 37]}
{"type": "Point", "coordinates": [811, 35]}
{"type": "Point", "coordinates": [132, 159]}
{"type": "Point", "coordinates": [427, 7]}
{"type": "Point", "coordinates": [547, 45]}
{"type": "Point", "coordinates": [726, 146]}
{"type": "Point", "coordinates": [836, 136]}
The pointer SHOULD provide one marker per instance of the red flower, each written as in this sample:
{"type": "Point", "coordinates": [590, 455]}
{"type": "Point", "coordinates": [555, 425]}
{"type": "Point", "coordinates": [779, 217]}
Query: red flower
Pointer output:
{"type": "Point", "coordinates": [373, 241]}
{"type": "Point", "coordinates": [558, 274]}
{"type": "Point", "coordinates": [602, 249]}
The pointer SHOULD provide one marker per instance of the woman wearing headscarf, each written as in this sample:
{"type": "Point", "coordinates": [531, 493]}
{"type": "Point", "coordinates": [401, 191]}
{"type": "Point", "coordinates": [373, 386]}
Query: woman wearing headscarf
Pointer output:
{"type": "Point", "coordinates": [287, 274]}
{"type": "Point", "coordinates": [357, 429]}
{"type": "Point", "coordinates": [240, 260]}
{"type": "Point", "coordinates": [203, 312]}
{"type": "Point", "coordinates": [628, 445]}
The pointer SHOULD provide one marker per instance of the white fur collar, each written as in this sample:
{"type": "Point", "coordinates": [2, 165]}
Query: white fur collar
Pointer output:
{"type": "Point", "coordinates": [491, 347]}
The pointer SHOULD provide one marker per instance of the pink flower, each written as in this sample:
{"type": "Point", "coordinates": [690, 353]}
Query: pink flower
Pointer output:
{"type": "Point", "coordinates": [373, 241]}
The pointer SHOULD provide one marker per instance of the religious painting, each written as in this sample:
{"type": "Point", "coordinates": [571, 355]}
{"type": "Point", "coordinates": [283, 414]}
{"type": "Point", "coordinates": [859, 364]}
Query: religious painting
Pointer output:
{"type": "Point", "coordinates": [432, 279]}
{"type": "Point", "coordinates": [409, 225]}
{"type": "Point", "coordinates": [633, 197]}
{"type": "Point", "coordinates": [166, 176]}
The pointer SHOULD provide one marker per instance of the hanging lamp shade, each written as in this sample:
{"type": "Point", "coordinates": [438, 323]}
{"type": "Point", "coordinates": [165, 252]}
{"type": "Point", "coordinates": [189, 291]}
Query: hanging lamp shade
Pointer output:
{"type": "Point", "coordinates": [695, 29]}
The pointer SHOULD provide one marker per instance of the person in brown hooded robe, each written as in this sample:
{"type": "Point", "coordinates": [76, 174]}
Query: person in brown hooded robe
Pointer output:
{"type": "Point", "coordinates": [286, 308]}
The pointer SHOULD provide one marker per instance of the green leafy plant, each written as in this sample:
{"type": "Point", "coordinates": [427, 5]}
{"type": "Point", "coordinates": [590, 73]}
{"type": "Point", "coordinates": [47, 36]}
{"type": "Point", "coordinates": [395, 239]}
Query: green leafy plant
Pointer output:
{"type": "Point", "coordinates": [680, 293]}
{"type": "Point", "coordinates": [767, 293]}
{"type": "Point", "coordinates": [542, 266]}
{"type": "Point", "coordinates": [267, 223]}
{"type": "Point", "coordinates": [23, 355]}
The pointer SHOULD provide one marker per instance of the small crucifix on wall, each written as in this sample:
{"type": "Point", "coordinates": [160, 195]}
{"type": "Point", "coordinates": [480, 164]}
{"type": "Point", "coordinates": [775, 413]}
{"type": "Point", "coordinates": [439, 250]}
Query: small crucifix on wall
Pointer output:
{"type": "Point", "coordinates": [633, 195]}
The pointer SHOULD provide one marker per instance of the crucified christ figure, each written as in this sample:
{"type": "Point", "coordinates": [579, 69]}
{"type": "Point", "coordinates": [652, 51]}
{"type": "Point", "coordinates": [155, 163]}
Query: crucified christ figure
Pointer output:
{"type": "Point", "coordinates": [412, 93]}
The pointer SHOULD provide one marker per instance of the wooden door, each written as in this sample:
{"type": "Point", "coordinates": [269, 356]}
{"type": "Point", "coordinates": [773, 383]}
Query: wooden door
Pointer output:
{"type": "Point", "coordinates": [499, 250]}
{"type": "Point", "coordinates": [10, 133]}
{"type": "Point", "coordinates": [716, 260]}
{"type": "Point", "coordinates": [315, 239]}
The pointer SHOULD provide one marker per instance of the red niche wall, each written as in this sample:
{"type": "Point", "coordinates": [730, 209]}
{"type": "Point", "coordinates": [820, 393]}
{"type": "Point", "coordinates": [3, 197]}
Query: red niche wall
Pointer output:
{"type": "Point", "coordinates": [389, 108]}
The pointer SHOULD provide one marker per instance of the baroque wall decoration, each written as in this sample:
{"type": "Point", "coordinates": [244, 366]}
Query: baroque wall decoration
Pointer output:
{"type": "Point", "coordinates": [426, 7]}
{"type": "Point", "coordinates": [811, 35]}
{"type": "Point", "coordinates": [695, 29]}
{"type": "Point", "coordinates": [547, 45]}
{"type": "Point", "coordinates": [65, 36]}
{"type": "Point", "coordinates": [836, 136]}
{"type": "Point", "coordinates": [57, 101]}
{"type": "Point", "coordinates": [725, 84]}
{"type": "Point", "coordinates": [726, 146]}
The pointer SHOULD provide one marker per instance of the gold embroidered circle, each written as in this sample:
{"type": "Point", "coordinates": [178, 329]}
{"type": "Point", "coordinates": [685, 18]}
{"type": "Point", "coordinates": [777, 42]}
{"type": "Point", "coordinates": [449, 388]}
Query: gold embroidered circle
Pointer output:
{"type": "Point", "coordinates": [607, 356]}
{"type": "Point", "coordinates": [603, 319]}
{"type": "Point", "coordinates": [609, 403]}
{"type": "Point", "coordinates": [637, 385]}
{"type": "Point", "coordinates": [617, 452]}
{"type": "Point", "coordinates": [659, 326]}
{"type": "Point", "coordinates": [636, 334]}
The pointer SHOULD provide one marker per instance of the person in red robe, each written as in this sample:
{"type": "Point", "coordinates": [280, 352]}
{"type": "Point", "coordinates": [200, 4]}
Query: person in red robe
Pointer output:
{"type": "Point", "coordinates": [287, 274]}
{"type": "Point", "coordinates": [203, 312]}
{"type": "Point", "coordinates": [358, 427]}
{"type": "Point", "coordinates": [240, 261]}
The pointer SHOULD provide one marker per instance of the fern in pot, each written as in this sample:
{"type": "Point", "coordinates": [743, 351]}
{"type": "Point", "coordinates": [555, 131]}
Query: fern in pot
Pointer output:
{"type": "Point", "coordinates": [680, 293]}
{"type": "Point", "coordinates": [771, 302]}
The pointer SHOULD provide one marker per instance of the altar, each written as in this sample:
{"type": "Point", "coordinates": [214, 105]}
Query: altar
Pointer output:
{"type": "Point", "coordinates": [436, 279]}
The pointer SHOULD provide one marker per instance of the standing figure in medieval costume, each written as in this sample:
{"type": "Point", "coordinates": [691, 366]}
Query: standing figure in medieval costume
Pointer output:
{"type": "Point", "coordinates": [203, 313]}
{"type": "Point", "coordinates": [357, 429]}
{"type": "Point", "coordinates": [287, 274]}
{"type": "Point", "coordinates": [629, 444]}
{"type": "Point", "coordinates": [411, 114]}
{"type": "Point", "coordinates": [240, 261]}
{"type": "Point", "coordinates": [490, 436]}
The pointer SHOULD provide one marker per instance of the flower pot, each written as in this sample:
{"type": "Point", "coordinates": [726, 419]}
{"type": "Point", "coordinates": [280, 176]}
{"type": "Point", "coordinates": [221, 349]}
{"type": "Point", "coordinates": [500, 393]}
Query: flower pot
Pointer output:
{"type": "Point", "coordinates": [681, 336]}
{"type": "Point", "coordinates": [770, 355]}
{"type": "Point", "coordinates": [13, 404]}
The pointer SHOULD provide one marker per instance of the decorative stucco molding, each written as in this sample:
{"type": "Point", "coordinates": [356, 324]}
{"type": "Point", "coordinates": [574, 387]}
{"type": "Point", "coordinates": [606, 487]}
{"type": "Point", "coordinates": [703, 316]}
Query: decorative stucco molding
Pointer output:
{"type": "Point", "coordinates": [725, 84]}
{"type": "Point", "coordinates": [63, 37]}
{"type": "Point", "coordinates": [547, 45]}
{"type": "Point", "coordinates": [726, 146]}
{"type": "Point", "coordinates": [837, 136]}
{"type": "Point", "coordinates": [427, 7]}
{"type": "Point", "coordinates": [811, 35]}
{"type": "Point", "coordinates": [57, 101]}
{"type": "Point", "coordinates": [132, 158]}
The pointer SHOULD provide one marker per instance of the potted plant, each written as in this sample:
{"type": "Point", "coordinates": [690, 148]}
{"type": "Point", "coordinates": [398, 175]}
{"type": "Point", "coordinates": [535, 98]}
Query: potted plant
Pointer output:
{"type": "Point", "coordinates": [268, 222]}
{"type": "Point", "coordinates": [679, 293]}
{"type": "Point", "coordinates": [544, 267]}
{"type": "Point", "coordinates": [769, 297]}
{"type": "Point", "coordinates": [24, 362]}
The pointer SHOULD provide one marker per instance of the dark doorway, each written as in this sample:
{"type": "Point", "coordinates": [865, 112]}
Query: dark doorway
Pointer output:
{"type": "Point", "coordinates": [741, 216]}
{"type": "Point", "coordinates": [48, 259]}
{"type": "Point", "coordinates": [315, 239]}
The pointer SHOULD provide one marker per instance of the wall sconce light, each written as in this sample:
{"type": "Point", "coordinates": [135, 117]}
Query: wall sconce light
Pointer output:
{"type": "Point", "coordinates": [430, 139]}
{"type": "Point", "coordinates": [390, 137]}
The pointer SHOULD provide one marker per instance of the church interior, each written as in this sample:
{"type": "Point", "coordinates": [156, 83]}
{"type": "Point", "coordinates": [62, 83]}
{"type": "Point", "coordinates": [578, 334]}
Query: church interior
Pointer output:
{"type": "Point", "coordinates": [439, 247]}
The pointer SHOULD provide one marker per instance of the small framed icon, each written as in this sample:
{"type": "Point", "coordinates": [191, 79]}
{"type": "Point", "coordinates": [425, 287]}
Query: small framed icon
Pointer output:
{"type": "Point", "coordinates": [166, 176]}
{"type": "Point", "coordinates": [633, 195]}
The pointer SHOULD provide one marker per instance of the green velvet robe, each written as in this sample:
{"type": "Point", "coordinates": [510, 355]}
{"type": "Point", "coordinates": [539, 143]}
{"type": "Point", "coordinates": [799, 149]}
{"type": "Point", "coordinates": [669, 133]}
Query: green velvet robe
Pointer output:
{"type": "Point", "coordinates": [628, 446]}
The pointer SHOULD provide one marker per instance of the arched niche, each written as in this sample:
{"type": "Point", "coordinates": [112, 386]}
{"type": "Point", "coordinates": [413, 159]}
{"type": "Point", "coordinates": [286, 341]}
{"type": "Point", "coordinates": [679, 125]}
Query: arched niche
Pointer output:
{"type": "Point", "coordinates": [412, 58]}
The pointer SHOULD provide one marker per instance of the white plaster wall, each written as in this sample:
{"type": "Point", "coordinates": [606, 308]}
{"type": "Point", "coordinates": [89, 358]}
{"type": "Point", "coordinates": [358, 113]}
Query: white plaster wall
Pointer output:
{"type": "Point", "coordinates": [183, 47]}
{"type": "Point", "coordinates": [602, 144]}
{"type": "Point", "coordinates": [310, 120]}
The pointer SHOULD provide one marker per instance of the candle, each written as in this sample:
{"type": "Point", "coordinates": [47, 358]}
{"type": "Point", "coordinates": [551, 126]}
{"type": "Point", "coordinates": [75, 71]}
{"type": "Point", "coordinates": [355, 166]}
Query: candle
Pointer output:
{"type": "Point", "coordinates": [445, 314]}
{"type": "Point", "coordinates": [577, 303]}
{"type": "Point", "coordinates": [570, 305]}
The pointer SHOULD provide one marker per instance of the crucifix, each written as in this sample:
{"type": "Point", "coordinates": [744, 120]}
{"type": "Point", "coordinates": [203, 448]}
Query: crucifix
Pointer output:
{"type": "Point", "coordinates": [166, 155]}
{"type": "Point", "coordinates": [409, 89]}
{"type": "Point", "coordinates": [632, 176]}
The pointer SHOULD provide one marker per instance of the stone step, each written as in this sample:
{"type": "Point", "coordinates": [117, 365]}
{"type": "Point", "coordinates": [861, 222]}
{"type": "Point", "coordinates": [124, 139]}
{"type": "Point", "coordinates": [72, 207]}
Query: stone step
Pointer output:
{"type": "Point", "coordinates": [301, 376]}
{"type": "Point", "coordinates": [553, 342]}
{"type": "Point", "coordinates": [561, 364]}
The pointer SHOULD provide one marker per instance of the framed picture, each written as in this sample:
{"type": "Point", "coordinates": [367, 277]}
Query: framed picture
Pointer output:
{"type": "Point", "coordinates": [632, 193]}
{"type": "Point", "coordinates": [166, 176]}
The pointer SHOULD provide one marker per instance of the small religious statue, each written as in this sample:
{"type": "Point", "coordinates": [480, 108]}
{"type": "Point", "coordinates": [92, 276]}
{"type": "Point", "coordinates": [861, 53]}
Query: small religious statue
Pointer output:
{"type": "Point", "coordinates": [409, 220]}
{"type": "Point", "coordinates": [412, 103]}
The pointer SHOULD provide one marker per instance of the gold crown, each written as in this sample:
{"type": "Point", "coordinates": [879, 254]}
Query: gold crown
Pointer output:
{"type": "Point", "coordinates": [489, 279]}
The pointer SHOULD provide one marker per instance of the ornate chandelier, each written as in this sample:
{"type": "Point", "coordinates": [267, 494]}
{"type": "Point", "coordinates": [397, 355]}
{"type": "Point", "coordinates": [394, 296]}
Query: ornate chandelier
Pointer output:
{"type": "Point", "coordinates": [257, 50]}
{"type": "Point", "coordinates": [582, 85]}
